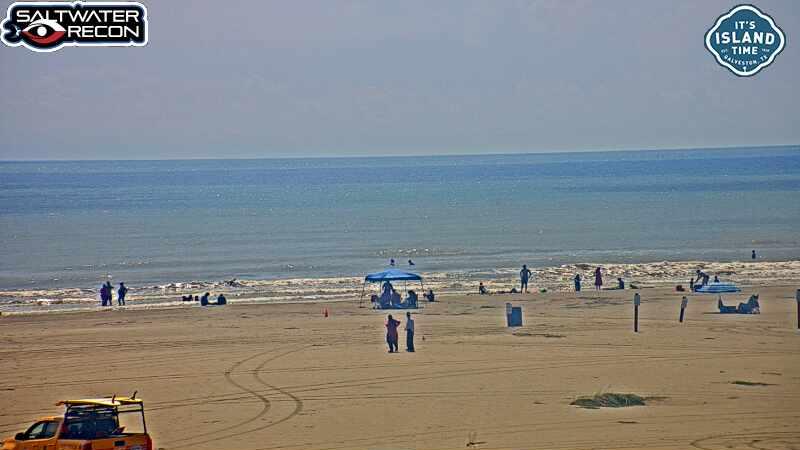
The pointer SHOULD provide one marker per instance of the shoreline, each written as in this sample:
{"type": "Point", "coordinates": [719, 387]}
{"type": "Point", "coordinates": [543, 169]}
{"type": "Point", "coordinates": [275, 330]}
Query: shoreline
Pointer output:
{"type": "Point", "coordinates": [344, 289]}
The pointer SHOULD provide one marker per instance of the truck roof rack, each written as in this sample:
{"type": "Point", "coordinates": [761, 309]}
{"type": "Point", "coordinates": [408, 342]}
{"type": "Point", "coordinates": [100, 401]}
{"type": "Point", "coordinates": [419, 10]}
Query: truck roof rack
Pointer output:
{"type": "Point", "coordinates": [108, 401]}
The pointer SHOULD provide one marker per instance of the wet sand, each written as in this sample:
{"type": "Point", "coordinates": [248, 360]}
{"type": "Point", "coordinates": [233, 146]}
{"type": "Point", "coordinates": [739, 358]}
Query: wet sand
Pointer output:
{"type": "Point", "coordinates": [283, 376]}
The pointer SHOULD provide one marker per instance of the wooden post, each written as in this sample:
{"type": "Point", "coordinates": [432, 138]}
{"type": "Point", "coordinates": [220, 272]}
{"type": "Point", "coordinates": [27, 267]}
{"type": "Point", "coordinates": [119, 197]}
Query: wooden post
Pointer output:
{"type": "Point", "coordinates": [797, 296]}
{"type": "Point", "coordinates": [636, 301]}
{"type": "Point", "coordinates": [684, 304]}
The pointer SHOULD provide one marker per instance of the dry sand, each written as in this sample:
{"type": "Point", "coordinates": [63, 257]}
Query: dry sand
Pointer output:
{"type": "Point", "coordinates": [283, 376]}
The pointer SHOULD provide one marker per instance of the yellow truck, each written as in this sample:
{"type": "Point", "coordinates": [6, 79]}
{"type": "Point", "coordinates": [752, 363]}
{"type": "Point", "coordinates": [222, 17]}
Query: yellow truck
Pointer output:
{"type": "Point", "coordinates": [88, 424]}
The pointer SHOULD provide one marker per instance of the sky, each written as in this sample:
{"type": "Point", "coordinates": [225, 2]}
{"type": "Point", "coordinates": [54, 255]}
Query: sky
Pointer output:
{"type": "Point", "coordinates": [252, 79]}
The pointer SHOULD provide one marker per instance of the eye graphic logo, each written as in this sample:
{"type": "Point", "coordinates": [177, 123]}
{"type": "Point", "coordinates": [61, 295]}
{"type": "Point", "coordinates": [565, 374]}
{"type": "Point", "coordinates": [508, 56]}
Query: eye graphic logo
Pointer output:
{"type": "Point", "coordinates": [44, 32]}
{"type": "Point", "coordinates": [48, 26]}
{"type": "Point", "coordinates": [745, 40]}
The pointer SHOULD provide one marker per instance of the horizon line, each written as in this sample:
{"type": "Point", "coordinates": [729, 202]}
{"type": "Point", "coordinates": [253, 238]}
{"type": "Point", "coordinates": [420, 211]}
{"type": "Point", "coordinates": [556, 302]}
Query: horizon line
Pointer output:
{"type": "Point", "coordinates": [431, 155]}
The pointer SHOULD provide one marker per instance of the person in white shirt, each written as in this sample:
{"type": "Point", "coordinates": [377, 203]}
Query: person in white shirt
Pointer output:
{"type": "Point", "coordinates": [409, 332]}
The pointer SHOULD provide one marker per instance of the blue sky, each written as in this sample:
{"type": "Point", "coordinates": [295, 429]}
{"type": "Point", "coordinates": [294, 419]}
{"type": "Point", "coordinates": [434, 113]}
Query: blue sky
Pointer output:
{"type": "Point", "coordinates": [335, 78]}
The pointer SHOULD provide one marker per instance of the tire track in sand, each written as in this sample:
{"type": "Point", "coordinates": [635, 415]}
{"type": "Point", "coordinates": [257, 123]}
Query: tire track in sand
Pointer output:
{"type": "Point", "coordinates": [217, 436]}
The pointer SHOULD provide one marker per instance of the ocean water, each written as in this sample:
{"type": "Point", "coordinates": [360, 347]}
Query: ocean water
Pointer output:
{"type": "Point", "coordinates": [74, 224]}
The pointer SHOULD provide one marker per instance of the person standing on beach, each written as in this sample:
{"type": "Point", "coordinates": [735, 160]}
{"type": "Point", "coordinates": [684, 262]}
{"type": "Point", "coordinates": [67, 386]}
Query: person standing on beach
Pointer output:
{"type": "Point", "coordinates": [103, 295]}
{"type": "Point", "coordinates": [753, 255]}
{"type": "Point", "coordinates": [524, 275]}
{"type": "Point", "coordinates": [598, 279]}
{"type": "Point", "coordinates": [391, 333]}
{"type": "Point", "coordinates": [409, 332]}
{"type": "Point", "coordinates": [110, 293]}
{"type": "Point", "coordinates": [121, 294]}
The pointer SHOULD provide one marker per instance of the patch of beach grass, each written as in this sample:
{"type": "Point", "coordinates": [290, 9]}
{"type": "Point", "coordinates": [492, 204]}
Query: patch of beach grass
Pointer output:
{"type": "Point", "coordinates": [750, 383]}
{"type": "Point", "coordinates": [609, 400]}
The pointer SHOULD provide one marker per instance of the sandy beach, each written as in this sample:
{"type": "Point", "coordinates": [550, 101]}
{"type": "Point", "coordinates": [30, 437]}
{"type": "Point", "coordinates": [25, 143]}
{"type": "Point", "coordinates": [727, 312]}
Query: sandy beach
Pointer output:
{"type": "Point", "coordinates": [271, 376]}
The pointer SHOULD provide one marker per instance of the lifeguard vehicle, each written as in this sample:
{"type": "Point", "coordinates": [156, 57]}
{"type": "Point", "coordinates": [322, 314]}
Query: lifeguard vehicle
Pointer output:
{"type": "Point", "coordinates": [115, 423]}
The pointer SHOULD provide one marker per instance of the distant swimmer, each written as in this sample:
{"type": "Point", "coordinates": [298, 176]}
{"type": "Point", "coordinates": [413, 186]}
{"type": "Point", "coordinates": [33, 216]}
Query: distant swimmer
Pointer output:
{"type": "Point", "coordinates": [524, 275]}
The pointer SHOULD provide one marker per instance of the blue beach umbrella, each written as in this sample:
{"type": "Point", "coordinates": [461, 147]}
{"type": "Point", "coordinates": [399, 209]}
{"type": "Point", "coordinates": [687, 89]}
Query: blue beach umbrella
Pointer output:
{"type": "Point", "coordinates": [389, 275]}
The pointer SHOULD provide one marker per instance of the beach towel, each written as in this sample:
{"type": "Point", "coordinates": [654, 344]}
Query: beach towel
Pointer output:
{"type": "Point", "coordinates": [717, 288]}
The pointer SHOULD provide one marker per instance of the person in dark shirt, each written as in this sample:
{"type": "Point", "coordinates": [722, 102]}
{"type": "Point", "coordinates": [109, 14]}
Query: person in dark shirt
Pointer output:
{"type": "Point", "coordinates": [121, 294]}
{"type": "Point", "coordinates": [391, 333]}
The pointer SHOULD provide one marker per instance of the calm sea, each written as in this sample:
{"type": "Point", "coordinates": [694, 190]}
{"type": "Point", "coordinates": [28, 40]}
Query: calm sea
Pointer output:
{"type": "Point", "coordinates": [71, 224]}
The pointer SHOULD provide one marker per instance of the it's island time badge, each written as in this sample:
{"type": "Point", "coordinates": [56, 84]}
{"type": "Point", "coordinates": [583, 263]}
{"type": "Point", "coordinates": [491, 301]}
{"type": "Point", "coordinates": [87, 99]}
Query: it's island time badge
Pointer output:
{"type": "Point", "coordinates": [745, 40]}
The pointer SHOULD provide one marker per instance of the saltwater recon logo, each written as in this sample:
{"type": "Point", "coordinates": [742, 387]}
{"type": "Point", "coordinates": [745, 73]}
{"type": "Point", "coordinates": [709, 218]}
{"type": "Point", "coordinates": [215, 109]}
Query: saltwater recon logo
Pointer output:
{"type": "Point", "coordinates": [745, 40]}
{"type": "Point", "coordinates": [48, 26]}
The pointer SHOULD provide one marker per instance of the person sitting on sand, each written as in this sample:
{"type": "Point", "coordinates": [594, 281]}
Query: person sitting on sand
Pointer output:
{"type": "Point", "coordinates": [396, 300]}
{"type": "Point", "coordinates": [429, 296]}
{"type": "Point", "coordinates": [221, 300]}
{"type": "Point", "coordinates": [391, 333]}
{"type": "Point", "coordinates": [482, 289]}
{"type": "Point", "coordinates": [411, 263]}
{"type": "Point", "coordinates": [716, 279]}
{"type": "Point", "coordinates": [204, 299]}
{"type": "Point", "coordinates": [411, 299]}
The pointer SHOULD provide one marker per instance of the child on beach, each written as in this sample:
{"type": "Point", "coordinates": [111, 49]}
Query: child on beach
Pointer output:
{"type": "Point", "coordinates": [391, 333]}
